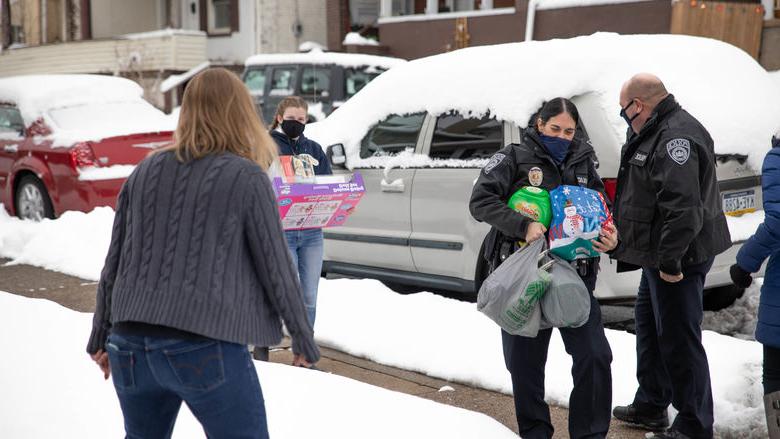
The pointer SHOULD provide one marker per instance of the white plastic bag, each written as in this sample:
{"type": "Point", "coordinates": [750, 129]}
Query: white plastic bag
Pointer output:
{"type": "Point", "coordinates": [510, 295]}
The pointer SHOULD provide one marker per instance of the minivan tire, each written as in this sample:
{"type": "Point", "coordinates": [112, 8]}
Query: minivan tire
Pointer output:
{"type": "Point", "coordinates": [28, 185]}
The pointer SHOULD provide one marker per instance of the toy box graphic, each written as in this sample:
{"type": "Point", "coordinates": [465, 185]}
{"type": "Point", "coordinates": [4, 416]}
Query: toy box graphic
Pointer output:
{"type": "Point", "coordinates": [326, 201]}
{"type": "Point", "coordinates": [578, 215]}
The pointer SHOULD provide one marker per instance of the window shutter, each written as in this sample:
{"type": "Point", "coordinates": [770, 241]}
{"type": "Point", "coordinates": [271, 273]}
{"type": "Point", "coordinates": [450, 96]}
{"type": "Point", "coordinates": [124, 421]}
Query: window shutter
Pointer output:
{"type": "Point", "coordinates": [234, 15]}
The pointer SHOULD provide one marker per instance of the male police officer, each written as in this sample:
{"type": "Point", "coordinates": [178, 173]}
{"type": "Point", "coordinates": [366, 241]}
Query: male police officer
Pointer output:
{"type": "Point", "coordinates": [667, 209]}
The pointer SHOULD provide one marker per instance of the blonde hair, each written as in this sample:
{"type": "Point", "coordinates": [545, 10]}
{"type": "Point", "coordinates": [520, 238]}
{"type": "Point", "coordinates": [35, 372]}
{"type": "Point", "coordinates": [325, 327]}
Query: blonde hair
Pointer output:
{"type": "Point", "coordinates": [218, 116]}
{"type": "Point", "coordinates": [284, 104]}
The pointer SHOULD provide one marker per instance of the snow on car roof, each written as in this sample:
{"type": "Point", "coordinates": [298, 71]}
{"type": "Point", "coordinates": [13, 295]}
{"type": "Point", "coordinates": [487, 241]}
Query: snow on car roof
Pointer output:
{"type": "Point", "coordinates": [112, 106]}
{"type": "Point", "coordinates": [36, 94]}
{"type": "Point", "coordinates": [727, 90]}
{"type": "Point", "coordinates": [320, 57]}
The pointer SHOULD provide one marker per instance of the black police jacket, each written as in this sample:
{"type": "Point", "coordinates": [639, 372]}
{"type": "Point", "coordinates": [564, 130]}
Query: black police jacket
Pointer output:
{"type": "Point", "coordinates": [667, 206]}
{"type": "Point", "coordinates": [525, 164]}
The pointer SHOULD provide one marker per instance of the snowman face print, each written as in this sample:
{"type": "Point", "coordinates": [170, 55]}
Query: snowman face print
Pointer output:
{"type": "Point", "coordinates": [573, 223]}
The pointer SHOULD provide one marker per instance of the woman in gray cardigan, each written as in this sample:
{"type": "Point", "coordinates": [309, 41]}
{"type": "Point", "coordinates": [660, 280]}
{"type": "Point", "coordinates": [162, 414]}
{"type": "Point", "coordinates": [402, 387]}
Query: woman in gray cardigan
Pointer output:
{"type": "Point", "coordinates": [197, 269]}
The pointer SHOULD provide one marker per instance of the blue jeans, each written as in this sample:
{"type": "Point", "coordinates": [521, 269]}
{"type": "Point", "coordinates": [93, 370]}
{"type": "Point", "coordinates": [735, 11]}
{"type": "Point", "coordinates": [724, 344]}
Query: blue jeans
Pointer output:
{"type": "Point", "coordinates": [306, 250]}
{"type": "Point", "coordinates": [217, 380]}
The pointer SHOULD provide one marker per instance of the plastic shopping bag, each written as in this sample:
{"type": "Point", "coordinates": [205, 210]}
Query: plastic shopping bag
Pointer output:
{"type": "Point", "coordinates": [578, 215]}
{"type": "Point", "coordinates": [567, 301]}
{"type": "Point", "coordinates": [510, 295]}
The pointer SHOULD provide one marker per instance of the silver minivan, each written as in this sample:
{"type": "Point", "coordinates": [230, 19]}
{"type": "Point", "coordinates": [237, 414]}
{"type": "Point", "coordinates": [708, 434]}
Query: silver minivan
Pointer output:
{"type": "Point", "coordinates": [413, 230]}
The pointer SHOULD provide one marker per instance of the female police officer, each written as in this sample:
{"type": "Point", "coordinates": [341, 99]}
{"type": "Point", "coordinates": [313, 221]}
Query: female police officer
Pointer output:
{"type": "Point", "coordinates": [548, 156]}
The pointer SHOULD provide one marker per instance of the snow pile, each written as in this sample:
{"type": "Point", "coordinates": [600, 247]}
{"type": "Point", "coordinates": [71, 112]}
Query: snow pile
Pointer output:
{"type": "Point", "coordinates": [355, 39]}
{"type": "Point", "coordinates": [562, 4]}
{"type": "Point", "coordinates": [83, 107]}
{"type": "Point", "coordinates": [775, 75]}
{"type": "Point", "coordinates": [308, 46]}
{"type": "Point", "coordinates": [72, 399]}
{"type": "Point", "coordinates": [174, 80]}
{"type": "Point", "coordinates": [107, 173]}
{"type": "Point", "coordinates": [320, 57]}
{"type": "Point", "coordinates": [162, 33]}
{"type": "Point", "coordinates": [76, 243]}
{"type": "Point", "coordinates": [738, 320]}
{"type": "Point", "coordinates": [361, 317]}
{"type": "Point", "coordinates": [497, 80]}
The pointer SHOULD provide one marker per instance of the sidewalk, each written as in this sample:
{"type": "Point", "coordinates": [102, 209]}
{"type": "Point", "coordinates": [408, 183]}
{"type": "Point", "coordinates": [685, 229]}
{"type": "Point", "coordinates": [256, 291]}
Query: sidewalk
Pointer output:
{"type": "Point", "coordinates": [79, 295]}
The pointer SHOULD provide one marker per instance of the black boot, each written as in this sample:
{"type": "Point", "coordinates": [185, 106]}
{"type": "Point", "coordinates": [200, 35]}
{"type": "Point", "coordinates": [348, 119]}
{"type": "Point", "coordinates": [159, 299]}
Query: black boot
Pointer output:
{"type": "Point", "coordinates": [260, 353]}
{"type": "Point", "coordinates": [654, 421]}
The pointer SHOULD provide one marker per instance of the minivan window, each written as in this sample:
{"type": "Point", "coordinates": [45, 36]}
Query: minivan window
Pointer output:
{"type": "Point", "coordinates": [393, 135]}
{"type": "Point", "coordinates": [315, 80]}
{"type": "Point", "coordinates": [357, 79]}
{"type": "Point", "coordinates": [464, 138]}
{"type": "Point", "coordinates": [10, 119]}
{"type": "Point", "coordinates": [282, 83]}
{"type": "Point", "coordinates": [255, 81]}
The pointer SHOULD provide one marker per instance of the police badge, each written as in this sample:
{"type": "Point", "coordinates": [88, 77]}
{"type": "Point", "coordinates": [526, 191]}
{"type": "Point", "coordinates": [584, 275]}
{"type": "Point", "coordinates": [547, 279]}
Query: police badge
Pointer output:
{"type": "Point", "coordinates": [535, 176]}
{"type": "Point", "coordinates": [679, 150]}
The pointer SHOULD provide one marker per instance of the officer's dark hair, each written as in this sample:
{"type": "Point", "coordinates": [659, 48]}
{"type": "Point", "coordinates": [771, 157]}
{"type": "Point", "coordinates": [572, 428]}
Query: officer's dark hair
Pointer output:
{"type": "Point", "coordinates": [554, 107]}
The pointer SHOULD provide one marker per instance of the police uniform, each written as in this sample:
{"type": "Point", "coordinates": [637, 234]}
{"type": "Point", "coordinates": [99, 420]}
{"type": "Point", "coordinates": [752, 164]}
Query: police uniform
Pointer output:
{"type": "Point", "coordinates": [669, 217]}
{"type": "Point", "coordinates": [529, 164]}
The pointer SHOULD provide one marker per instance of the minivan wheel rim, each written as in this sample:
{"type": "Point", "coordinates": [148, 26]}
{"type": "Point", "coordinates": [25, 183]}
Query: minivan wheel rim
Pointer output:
{"type": "Point", "coordinates": [31, 203]}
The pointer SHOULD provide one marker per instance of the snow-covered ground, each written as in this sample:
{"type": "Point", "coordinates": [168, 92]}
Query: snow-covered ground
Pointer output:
{"type": "Point", "coordinates": [52, 389]}
{"type": "Point", "coordinates": [738, 320]}
{"type": "Point", "coordinates": [423, 332]}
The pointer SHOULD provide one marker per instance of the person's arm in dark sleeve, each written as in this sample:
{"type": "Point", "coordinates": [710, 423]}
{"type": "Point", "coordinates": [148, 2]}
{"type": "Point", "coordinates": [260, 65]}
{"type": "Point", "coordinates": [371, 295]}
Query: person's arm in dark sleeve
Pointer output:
{"type": "Point", "coordinates": [276, 272]}
{"type": "Point", "coordinates": [766, 240]}
{"type": "Point", "coordinates": [491, 193]}
{"type": "Point", "coordinates": [101, 321]}
{"type": "Point", "coordinates": [678, 198]}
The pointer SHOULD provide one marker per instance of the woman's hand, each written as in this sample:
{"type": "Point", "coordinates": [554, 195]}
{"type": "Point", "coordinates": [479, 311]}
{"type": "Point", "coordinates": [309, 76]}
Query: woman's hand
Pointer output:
{"type": "Point", "coordinates": [608, 239]}
{"type": "Point", "coordinates": [535, 231]}
{"type": "Point", "coordinates": [101, 358]}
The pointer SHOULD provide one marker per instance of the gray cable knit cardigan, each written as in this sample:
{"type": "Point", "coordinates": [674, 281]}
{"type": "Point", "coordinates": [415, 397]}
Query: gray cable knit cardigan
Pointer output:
{"type": "Point", "coordinates": [198, 246]}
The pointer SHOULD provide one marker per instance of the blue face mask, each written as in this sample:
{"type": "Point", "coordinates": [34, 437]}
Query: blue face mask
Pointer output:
{"type": "Point", "coordinates": [556, 147]}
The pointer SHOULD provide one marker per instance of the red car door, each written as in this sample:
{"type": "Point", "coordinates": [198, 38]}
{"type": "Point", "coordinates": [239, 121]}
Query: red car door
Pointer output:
{"type": "Point", "coordinates": [11, 139]}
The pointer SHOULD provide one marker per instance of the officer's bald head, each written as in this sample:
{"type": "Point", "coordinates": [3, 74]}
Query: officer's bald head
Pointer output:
{"type": "Point", "coordinates": [646, 87]}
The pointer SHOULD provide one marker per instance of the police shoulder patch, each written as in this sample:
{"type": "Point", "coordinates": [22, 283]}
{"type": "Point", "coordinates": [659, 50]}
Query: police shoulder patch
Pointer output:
{"type": "Point", "coordinates": [679, 150]}
{"type": "Point", "coordinates": [494, 161]}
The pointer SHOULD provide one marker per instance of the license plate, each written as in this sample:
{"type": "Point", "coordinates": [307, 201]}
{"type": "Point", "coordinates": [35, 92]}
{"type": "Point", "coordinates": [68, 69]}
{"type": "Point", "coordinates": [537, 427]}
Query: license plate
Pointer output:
{"type": "Point", "coordinates": [738, 203]}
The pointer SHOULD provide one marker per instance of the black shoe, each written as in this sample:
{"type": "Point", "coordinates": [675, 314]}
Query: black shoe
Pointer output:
{"type": "Point", "coordinates": [658, 421]}
{"type": "Point", "coordinates": [668, 434]}
{"type": "Point", "coordinates": [260, 353]}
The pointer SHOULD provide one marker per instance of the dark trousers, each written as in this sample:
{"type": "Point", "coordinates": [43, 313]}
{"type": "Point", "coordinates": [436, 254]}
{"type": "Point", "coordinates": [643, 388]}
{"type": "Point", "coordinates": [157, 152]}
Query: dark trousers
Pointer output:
{"type": "Point", "coordinates": [771, 369]}
{"type": "Point", "coordinates": [591, 400]}
{"type": "Point", "coordinates": [671, 362]}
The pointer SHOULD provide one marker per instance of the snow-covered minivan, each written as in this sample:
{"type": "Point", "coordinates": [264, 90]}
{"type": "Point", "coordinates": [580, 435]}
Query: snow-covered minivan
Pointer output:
{"type": "Point", "coordinates": [420, 134]}
{"type": "Point", "coordinates": [325, 79]}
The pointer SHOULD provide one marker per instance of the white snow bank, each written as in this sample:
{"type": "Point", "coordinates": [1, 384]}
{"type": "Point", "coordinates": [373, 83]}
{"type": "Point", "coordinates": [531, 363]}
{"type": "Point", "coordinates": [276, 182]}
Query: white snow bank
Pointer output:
{"type": "Point", "coordinates": [501, 80]}
{"type": "Point", "coordinates": [420, 332]}
{"type": "Point", "coordinates": [355, 39]}
{"type": "Point", "coordinates": [427, 333]}
{"type": "Point", "coordinates": [106, 173]}
{"type": "Point", "coordinates": [51, 388]}
{"type": "Point", "coordinates": [308, 46]}
{"type": "Point", "coordinates": [320, 57]}
{"type": "Point", "coordinates": [174, 80]}
{"type": "Point", "coordinates": [76, 243]}
{"type": "Point", "coordinates": [775, 75]}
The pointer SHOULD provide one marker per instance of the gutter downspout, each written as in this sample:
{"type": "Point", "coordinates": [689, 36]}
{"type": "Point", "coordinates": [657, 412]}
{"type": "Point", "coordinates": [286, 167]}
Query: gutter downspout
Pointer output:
{"type": "Point", "coordinates": [530, 19]}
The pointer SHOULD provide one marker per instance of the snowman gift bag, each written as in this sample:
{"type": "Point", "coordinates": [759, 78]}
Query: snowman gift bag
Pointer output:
{"type": "Point", "coordinates": [578, 215]}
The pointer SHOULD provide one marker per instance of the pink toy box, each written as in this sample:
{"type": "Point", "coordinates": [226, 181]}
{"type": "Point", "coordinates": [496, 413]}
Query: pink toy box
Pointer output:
{"type": "Point", "coordinates": [325, 202]}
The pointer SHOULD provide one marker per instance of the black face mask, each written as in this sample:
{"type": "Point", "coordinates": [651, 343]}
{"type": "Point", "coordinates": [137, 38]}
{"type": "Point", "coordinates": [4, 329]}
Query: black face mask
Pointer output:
{"type": "Point", "coordinates": [292, 128]}
{"type": "Point", "coordinates": [624, 115]}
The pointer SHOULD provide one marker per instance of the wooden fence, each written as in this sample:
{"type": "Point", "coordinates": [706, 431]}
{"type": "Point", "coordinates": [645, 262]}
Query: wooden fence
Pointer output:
{"type": "Point", "coordinates": [739, 24]}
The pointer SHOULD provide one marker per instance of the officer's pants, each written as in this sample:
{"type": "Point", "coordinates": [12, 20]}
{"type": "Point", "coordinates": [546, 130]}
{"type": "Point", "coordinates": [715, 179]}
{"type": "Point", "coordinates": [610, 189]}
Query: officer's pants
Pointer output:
{"type": "Point", "coordinates": [671, 363]}
{"type": "Point", "coordinates": [590, 401]}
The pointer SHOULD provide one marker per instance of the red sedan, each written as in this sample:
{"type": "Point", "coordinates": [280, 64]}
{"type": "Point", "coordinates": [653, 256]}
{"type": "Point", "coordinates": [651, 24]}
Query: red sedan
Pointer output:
{"type": "Point", "coordinates": [68, 142]}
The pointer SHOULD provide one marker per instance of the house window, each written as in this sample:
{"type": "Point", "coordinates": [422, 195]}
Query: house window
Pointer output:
{"type": "Point", "coordinates": [219, 17]}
